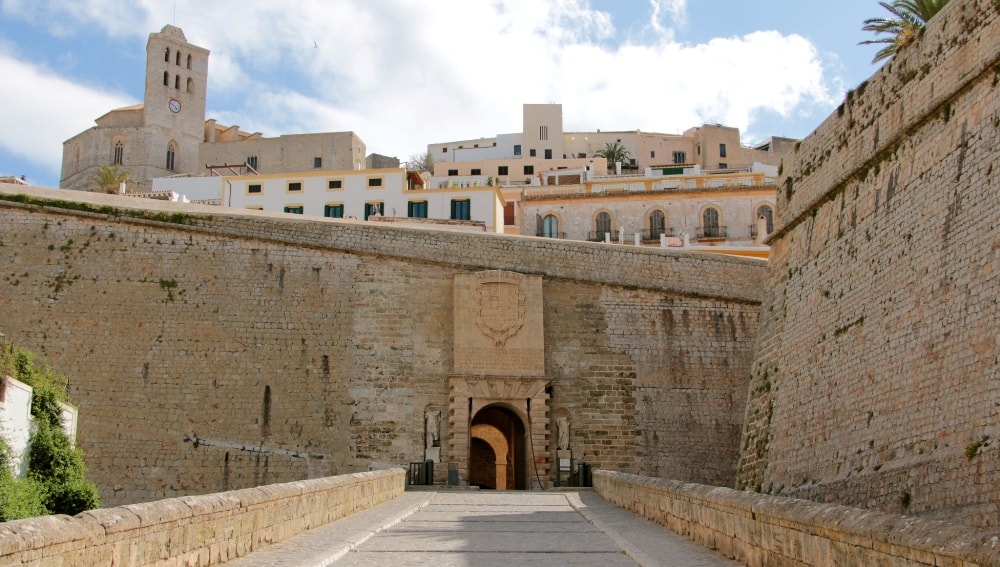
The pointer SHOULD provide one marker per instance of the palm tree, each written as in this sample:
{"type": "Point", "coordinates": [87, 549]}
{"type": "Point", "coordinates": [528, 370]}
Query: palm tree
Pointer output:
{"type": "Point", "coordinates": [909, 17]}
{"type": "Point", "coordinates": [107, 178]}
{"type": "Point", "coordinates": [614, 152]}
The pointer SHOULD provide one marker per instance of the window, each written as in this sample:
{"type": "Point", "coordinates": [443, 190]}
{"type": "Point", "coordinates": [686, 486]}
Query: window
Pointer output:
{"type": "Point", "coordinates": [532, 152]}
{"type": "Point", "coordinates": [765, 212]}
{"type": "Point", "coordinates": [657, 224]}
{"type": "Point", "coordinates": [710, 222]}
{"type": "Point", "coordinates": [508, 213]}
{"type": "Point", "coordinates": [603, 225]}
{"type": "Point", "coordinates": [460, 209]}
{"type": "Point", "coordinates": [699, 149]}
{"type": "Point", "coordinates": [652, 154]}
{"type": "Point", "coordinates": [317, 162]}
{"type": "Point", "coordinates": [373, 208]}
{"type": "Point", "coordinates": [543, 132]}
{"type": "Point", "coordinates": [177, 82]}
{"type": "Point", "coordinates": [722, 150]}
{"type": "Point", "coordinates": [334, 184]}
{"type": "Point", "coordinates": [119, 155]}
{"type": "Point", "coordinates": [680, 157]}
{"type": "Point", "coordinates": [477, 171]}
{"type": "Point", "coordinates": [294, 186]}
{"type": "Point", "coordinates": [723, 165]}
{"type": "Point", "coordinates": [529, 170]}
{"type": "Point", "coordinates": [452, 172]}
{"type": "Point", "coordinates": [444, 150]}
{"type": "Point", "coordinates": [189, 61]}
{"type": "Point", "coordinates": [293, 209]}
{"type": "Point", "coordinates": [581, 155]}
{"type": "Point", "coordinates": [502, 170]}
{"type": "Point", "coordinates": [374, 181]}
{"type": "Point", "coordinates": [190, 85]}
{"type": "Point", "coordinates": [166, 55]}
{"type": "Point", "coordinates": [171, 155]}
{"type": "Point", "coordinates": [177, 60]}
{"type": "Point", "coordinates": [334, 211]}
{"type": "Point", "coordinates": [254, 188]}
{"type": "Point", "coordinates": [166, 79]}
{"type": "Point", "coordinates": [252, 161]}
{"type": "Point", "coordinates": [416, 209]}
{"type": "Point", "coordinates": [517, 149]}
{"type": "Point", "coordinates": [550, 226]}
{"type": "Point", "coordinates": [548, 154]}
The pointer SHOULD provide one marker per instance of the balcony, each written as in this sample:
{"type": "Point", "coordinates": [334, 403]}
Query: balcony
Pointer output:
{"type": "Point", "coordinates": [712, 233]}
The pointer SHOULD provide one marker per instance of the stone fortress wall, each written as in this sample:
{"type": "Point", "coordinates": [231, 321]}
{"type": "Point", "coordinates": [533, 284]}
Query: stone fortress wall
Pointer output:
{"type": "Point", "coordinates": [212, 349]}
{"type": "Point", "coordinates": [876, 381]}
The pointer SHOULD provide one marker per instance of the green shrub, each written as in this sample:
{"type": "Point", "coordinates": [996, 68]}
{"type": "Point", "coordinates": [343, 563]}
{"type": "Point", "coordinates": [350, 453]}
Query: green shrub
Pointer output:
{"type": "Point", "coordinates": [20, 498]}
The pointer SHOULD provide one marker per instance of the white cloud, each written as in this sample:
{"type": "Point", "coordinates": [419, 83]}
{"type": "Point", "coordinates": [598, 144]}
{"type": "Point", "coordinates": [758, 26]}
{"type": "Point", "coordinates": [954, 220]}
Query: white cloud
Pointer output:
{"type": "Point", "coordinates": [41, 110]}
{"type": "Point", "coordinates": [402, 74]}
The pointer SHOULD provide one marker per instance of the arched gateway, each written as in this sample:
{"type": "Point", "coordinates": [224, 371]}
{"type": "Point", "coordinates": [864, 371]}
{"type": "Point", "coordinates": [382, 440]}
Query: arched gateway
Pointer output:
{"type": "Point", "coordinates": [498, 418]}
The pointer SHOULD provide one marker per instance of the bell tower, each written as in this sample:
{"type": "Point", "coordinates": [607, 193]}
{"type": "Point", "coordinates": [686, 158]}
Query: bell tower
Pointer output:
{"type": "Point", "coordinates": [174, 103]}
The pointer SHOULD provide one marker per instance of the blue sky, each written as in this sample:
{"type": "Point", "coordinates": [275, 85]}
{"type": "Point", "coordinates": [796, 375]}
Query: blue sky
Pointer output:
{"type": "Point", "coordinates": [403, 73]}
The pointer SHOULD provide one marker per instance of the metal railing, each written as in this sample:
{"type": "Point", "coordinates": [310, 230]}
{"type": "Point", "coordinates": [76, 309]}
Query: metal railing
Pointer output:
{"type": "Point", "coordinates": [712, 232]}
{"type": "Point", "coordinates": [551, 235]}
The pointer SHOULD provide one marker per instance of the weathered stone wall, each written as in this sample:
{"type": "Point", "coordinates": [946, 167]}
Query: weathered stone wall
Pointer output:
{"type": "Point", "coordinates": [195, 530]}
{"type": "Point", "coordinates": [213, 349]}
{"type": "Point", "coordinates": [763, 530]}
{"type": "Point", "coordinates": [875, 381]}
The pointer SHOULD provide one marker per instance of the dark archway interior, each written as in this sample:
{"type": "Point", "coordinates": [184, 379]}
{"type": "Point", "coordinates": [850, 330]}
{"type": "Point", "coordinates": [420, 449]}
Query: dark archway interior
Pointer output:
{"type": "Point", "coordinates": [482, 458]}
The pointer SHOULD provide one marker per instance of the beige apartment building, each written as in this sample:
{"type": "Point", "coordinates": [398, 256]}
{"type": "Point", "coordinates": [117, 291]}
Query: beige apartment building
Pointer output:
{"type": "Point", "coordinates": [168, 134]}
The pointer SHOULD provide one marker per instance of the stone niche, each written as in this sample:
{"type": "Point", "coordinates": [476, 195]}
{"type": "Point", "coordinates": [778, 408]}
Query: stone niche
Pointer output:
{"type": "Point", "coordinates": [498, 324]}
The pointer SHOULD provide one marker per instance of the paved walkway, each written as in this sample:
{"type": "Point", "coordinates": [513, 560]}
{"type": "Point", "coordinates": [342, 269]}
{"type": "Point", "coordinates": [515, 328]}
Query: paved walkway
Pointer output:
{"type": "Point", "coordinates": [487, 529]}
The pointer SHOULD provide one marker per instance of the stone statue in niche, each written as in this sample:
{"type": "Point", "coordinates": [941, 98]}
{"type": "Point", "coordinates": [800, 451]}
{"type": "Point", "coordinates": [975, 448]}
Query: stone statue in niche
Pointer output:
{"type": "Point", "coordinates": [562, 433]}
{"type": "Point", "coordinates": [432, 440]}
{"type": "Point", "coordinates": [433, 431]}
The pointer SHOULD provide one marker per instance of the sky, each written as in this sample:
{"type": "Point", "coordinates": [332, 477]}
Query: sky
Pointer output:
{"type": "Point", "coordinates": [403, 74]}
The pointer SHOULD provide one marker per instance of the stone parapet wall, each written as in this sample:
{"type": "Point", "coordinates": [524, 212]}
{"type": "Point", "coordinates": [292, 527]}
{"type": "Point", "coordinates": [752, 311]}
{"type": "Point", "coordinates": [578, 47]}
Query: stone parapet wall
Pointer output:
{"type": "Point", "coordinates": [874, 382]}
{"type": "Point", "coordinates": [762, 530]}
{"type": "Point", "coordinates": [195, 530]}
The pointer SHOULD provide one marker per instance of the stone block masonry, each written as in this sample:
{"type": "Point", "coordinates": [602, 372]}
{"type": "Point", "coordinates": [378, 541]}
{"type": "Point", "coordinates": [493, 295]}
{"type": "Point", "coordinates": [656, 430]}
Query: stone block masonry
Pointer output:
{"type": "Point", "coordinates": [212, 349]}
{"type": "Point", "coordinates": [760, 530]}
{"type": "Point", "coordinates": [195, 530]}
{"type": "Point", "coordinates": [875, 379]}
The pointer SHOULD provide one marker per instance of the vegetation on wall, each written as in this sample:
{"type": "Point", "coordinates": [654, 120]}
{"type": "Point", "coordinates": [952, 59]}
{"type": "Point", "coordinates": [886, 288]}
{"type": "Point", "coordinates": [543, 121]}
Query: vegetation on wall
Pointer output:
{"type": "Point", "coordinates": [56, 481]}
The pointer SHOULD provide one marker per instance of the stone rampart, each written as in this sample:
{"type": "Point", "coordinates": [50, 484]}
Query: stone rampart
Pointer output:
{"type": "Point", "coordinates": [763, 530]}
{"type": "Point", "coordinates": [875, 378]}
{"type": "Point", "coordinates": [212, 349]}
{"type": "Point", "coordinates": [195, 530]}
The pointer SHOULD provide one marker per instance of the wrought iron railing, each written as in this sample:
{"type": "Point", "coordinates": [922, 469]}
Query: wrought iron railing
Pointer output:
{"type": "Point", "coordinates": [712, 232]}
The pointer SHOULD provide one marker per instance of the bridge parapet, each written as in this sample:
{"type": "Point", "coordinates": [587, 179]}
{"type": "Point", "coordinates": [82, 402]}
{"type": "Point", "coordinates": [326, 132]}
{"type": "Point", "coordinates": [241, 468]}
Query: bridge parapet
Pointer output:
{"type": "Point", "coordinates": [760, 529]}
{"type": "Point", "coordinates": [195, 530]}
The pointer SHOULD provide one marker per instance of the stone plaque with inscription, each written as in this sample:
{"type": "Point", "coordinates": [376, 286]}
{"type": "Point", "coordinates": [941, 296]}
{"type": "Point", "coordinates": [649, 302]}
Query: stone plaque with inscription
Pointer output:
{"type": "Point", "coordinates": [498, 324]}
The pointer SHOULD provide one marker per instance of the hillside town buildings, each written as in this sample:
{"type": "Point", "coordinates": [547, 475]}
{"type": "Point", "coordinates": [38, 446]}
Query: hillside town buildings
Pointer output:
{"type": "Point", "coordinates": [701, 188]}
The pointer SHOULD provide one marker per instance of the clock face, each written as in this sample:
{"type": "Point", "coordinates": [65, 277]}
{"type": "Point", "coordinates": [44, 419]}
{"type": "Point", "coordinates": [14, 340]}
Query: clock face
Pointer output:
{"type": "Point", "coordinates": [174, 105]}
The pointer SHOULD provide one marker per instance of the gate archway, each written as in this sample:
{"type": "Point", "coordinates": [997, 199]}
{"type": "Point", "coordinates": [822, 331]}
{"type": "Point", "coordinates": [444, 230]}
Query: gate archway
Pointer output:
{"type": "Point", "coordinates": [497, 452]}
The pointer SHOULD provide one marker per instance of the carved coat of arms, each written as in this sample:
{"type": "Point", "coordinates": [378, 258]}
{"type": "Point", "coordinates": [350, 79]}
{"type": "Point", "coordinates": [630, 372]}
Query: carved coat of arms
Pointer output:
{"type": "Point", "coordinates": [501, 299]}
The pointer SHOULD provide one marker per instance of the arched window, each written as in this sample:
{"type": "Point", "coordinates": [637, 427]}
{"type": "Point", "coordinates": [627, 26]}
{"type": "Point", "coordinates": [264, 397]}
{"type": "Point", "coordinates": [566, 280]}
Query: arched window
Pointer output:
{"type": "Point", "coordinates": [177, 60]}
{"type": "Point", "coordinates": [118, 158]}
{"type": "Point", "coordinates": [189, 60]}
{"type": "Point", "coordinates": [768, 214]}
{"type": "Point", "coordinates": [657, 224]}
{"type": "Point", "coordinates": [177, 82]}
{"type": "Point", "coordinates": [710, 223]}
{"type": "Point", "coordinates": [166, 55]}
{"type": "Point", "coordinates": [603, 225]}
{"type": "Point", "coordinates": [550, 226]}
{"type": "Point", "coordinates": [171, 156]}
{"type": "Point", "coordinates": [190, 85]}
{"type": "Point", "coordinates": [166, 79]}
